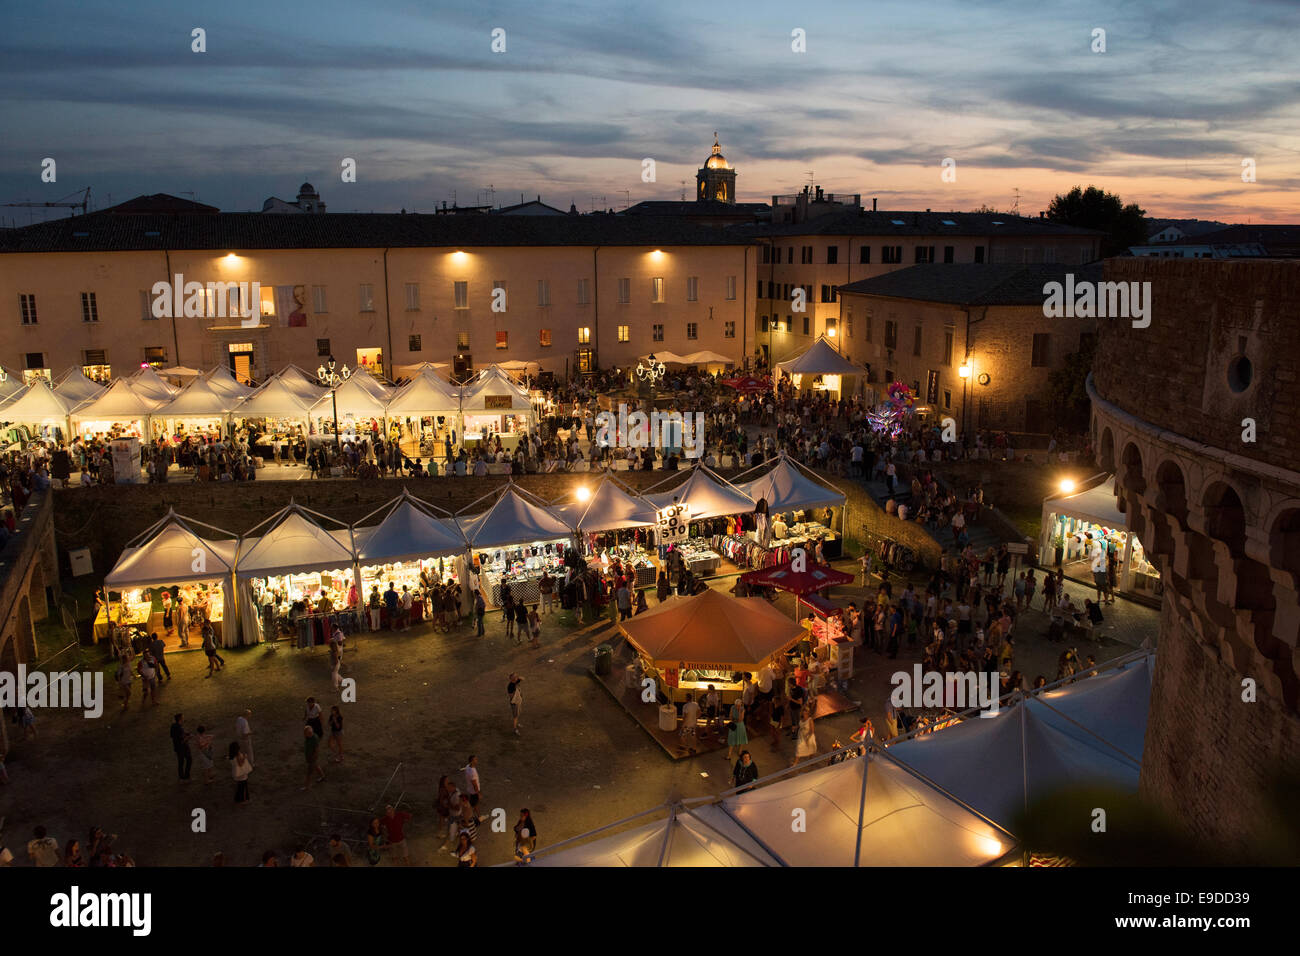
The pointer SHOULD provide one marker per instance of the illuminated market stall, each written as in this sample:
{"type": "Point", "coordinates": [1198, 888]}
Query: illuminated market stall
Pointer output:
{"type": "Point", "coordinates": [1069, 519]}
{"type": "Point", "coordinates": [184, 558]}
{"type": "Point", "coordinates": [715, 509]}
{"type": "Point", "coordinates": [513, 542]}
{"type": "Point", "coordinates": [404, 541]}
{"type": "Point", "coordinates": [614, 523]}
{"type": "Point", "coordinates": [819, 367]}
{"type": "Point", "coordinates": [40, 407]}
{"type": "Point", "coordinates": [198, 409]}
{"type": "Point", "coordinates": [357, 408]}
{"type": "Point", "coordinates": [121, 410]}
{"type": "Point", "coordinates": [282, 412]}
{"type": "Point", "coordinates": [74, 387]}
{"type": "Point", "coordinates": [295, 578]}
{"type": "Point", "coordinates": [802, 503]}
{"type": "Point", "coordinates": [495, 405]}
{"type": "Point", "coordinates": [428, 407]}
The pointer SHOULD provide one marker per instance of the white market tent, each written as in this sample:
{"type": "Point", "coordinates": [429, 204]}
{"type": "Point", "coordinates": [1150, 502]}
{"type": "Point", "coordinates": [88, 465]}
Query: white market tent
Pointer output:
{"type": "Point", "coordinates": [292, 542]}
{"type": "Point", "coordinates": [515, 518]}
{"type": "Point", "coordinates": [223, 380]}
{"type": "Point", "coordinates": [169, 551]}
{"type": "Point", "coordinates": [496, 384]}
{"type": "Point", "coordinates": [704, 357]}
{"type": "Point", "coordinates": [410, 530]}
{"type": "Point", "coordinates": [381, 390]}
{"type": "Point", "coordinates": [180, 371]}
{"type": "Point", "coordinates": [275, 399]}
{"type": "Point", "coordinates": [789, 486]}
{"type": "Point", "coordinates": [37, 404]}
{"type": "Point", "coordinates": [11, 383]}
{"type": "Point", "coordinates": [1095, 505]}
{"type": "Point", "coordinates": [410, 371]}
{"type": "Point", "coordinates": [820, 358]}
{"type": "Point", "coordinates": [353, 400]}
{"type": "Point", "coordinates": [867, 811]}
{"type": "Point", "coordinates": [611, 507]}
{"type": "Point", "coordinates": [149, 383]}
{"type": "Point", "coordinates": [1088, 733]}
{"type": "Point", "coordinates": [120, 402]}
{"type": "Point", "coordinates": [302, 384]}
{"type": "Point", "coordinates": [199, 399]}
{"type": "Point", "coordinates": [425, 395]}
{"type": "Point", "coordinates": [74, 387]}
{"type": "Point", "coordinates": [706, 493]}
{"type": "Point", "coordinates": [692, 837]}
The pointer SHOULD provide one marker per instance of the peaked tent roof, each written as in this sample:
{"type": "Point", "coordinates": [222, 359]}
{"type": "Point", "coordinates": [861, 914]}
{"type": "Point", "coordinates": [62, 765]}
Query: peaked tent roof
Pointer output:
{"type": "Point", "coordinates": [512, 519]}
{"type": "Point", "coordinates": [372, 385]}
{"type": "Point", "coordinates": [712, 628]}
{"type": "Point", "coordinates": [223, 380]}
{"type": "Point", "coordinates": [611, 507]}
{"type": "Point", "coordinates": [149, 383]}
{"type": "Point", "coordinates": [120, 402]}
{"type": "Point", "coordinates": [902, 821]}
{"type": "Point", "coordinates": [166, 554]}
{"type": "Point", "coordinates": [424, 394]}
{"type": "Point", "coordinates": [299, 382]}
{"type": "Point", "coordinates": [199, 399]}
{"type": "Point", "coordinates": [786, 486]}
{"type": "Point", "coordinates": [1096, 504]}
{"type": "Point", "coordinates": [293, 541]}
{"type": "Point", "coordinates": [493, 381]}
{"type": "Point", "coordinates": [353, 399]}
{"type": "Point", "coordinates": [74, 387]}
{"type": "Point", "coordinates": [11, 383]}
{"type": "Point", "coordinates": [819, 359]}
{"type": "Point", "coordinates": [408, 532]}
{"type": "Point", "coordinates": [707, 494]}
{"type": "Point", "coordinates": [275, 399]}
{"type": "Point", "coordinates": [700, 837]}
{"type": "Point", "coordinates": [37, 404]}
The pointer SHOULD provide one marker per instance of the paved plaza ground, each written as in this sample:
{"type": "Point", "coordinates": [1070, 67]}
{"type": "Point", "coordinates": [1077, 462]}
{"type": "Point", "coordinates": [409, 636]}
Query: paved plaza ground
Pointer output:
{"type": "Point", "coordinates": [425, 702]}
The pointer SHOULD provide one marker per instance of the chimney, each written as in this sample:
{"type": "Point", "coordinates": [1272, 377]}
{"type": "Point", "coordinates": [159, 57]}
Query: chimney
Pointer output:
{"type": "Point", "coordinates": [1042, 214]}
{"type": "Point", "coordinates": [873, 203]}
{"type": "Point", "coordinates": [927, 210]}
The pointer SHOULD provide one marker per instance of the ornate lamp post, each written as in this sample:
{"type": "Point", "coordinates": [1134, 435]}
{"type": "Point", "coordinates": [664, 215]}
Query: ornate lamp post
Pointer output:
{"type": "Point", "coordinates": [331, 379]}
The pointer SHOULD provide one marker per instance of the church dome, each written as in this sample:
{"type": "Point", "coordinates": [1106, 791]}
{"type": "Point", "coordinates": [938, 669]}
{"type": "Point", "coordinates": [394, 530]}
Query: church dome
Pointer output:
{"type": "Point", "coordinates": [716, 160]}
{"type": "Point", "coordinates": [306, 188]}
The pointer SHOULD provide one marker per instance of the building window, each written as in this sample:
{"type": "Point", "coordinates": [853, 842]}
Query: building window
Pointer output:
{"type": "Point", "coordinates": [544, 338]}
{"type": "Point", "coordinates": [624, 291]}
{"type": "Point", "coordinates": [692, 330]}
{"type": "Point", "coordinates": [462, 341]}
{"type": "Point", "coordinates": [89, 308]}
{"type": "Point", "coordinates": [916, 342]}
{"type": "Point", "coordinates": [759, 289]}
{"type": "Point", "coordinates": [948, 254]}
{"type": "Point", "coordinates": [156, 356]}
{"type": "Point", "coordinates": [789, 255]}
{"type": "Point", "coordinates": [624, 333]}
{"type": "Point", "coordinates": [832, 255]}
{"type": "Point", "coordinates": [367, 297]}
{"type": "Point", "coordinates": [731, 288]}
{"type": "Point", "coordinates": [35, 360]}
{"type": "Point", "coordinates": [866, 325]}
{"type": "Point", "coordinates": [583, 292]}
{"type": "Point", "coordinates": [805, 323]}
{"type": "Point", "coordinates": [848, 326]}
{"type": "Point", "coordinates": [828, 293]}
{"type": "Point", "coordinates": [412, 297]}
{"type": "Point", "coordinates": [924, 254]}
{"type": "Point", "coordinates": [657, 332]}
{"type": "Point", "coordinates": [891, 255]}
{"type": "Point", "coordinates": [657, 289]}
{"type": "Point", "coordinates": [93, 357]}
{"type": "Point", "coordinates": [584, 335]}
{"type": "Point", "coordinates": [412, 343]}
{"type": "Point", "coordinates": [693, 288]}
{"type": "Point", "coordinates": [947, 348]}
{"type": "Point", "coordinates": [864, 256]}
{"type": "Point", "coordinates": [891, 334]}
{"type": "Point", "coordinates": [805, 255]}
{"type": "Point", "coordinates": [947, 398]}
{"type": "Point", "coordinates": [543, 292]}
{"type": "Point", "coordinates": [831, 328]}
{"type": "Point", "coordinates": [323, 349]}
{"type": "Point", "coordinates": [460, 294]}
{"type": "Point", "coordinates": [979, 253]}
{"type": "Point", "coordinates": [762, 324]}
{"type": "Point", "coordinates": [503, 339]}
{"type": "Point", "coordinates": [146, 307]}
{"type": "Point", "coordinates": [318, 299]}
{"type": "Point", "coordinates": [728, 330]}
{"type": "Point", "coordinates": [27, 306]}
{"type": "Point", "coordinates": [767, 254]}
{"type": "Point", "coordinates": [1042, 346]}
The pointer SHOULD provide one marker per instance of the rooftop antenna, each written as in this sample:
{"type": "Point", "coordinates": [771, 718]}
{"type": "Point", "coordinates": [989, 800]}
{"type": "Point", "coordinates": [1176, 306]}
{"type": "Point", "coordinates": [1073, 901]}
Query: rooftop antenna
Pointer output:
{"type": "Point", "coordinates": [683, 190]}
{"type": "Point", "coordinates": [1015, 203]}
{"type": "Point", "coordinates": [628, 200]}
{"type": "Point", "coordinates": [492, 195]}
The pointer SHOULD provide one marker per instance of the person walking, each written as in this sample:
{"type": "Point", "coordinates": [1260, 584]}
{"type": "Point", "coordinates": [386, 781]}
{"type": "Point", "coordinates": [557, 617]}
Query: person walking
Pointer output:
{"type": "Point", "coordinates": [690, 721]}
{"type": "Point", "coordinates": [159, 649]}
{"type": "Point", "coordinates": [737, 735]}
{"type": "Point", "coordinates": [534, 628]}
{"type": "Point", "coordinates": [244, 732]}
{"type": "Point", "coordinates": [336, 734]}
{"type": "Point", "coordinates": [624, 598]}
{"type": "Point", "coordinates": [546, 588]}
{"type": "Point", "coordinates": [447, 805]}
{"type": "Point", "coordinates": [806, 743]}
{"type": "Point", "coordinates": [215, 661]}
{"type": "Point", "coordinates": [311, 749]}
{"type": "Point", "coordinates": [480, 609]}
{"type": "Point", "coordinates": [241, 765]}
{"type": "Point", "coordinates": [149, 677]}
{"type": "Point", "coordinates": [508, 610]}
{"type": "Point", "coordinates": [465, 854]}
{"type": "Point", "coordinates": [312, 716]}
{"type": "Point", "coordinates": [182, 625]}
{"type": "Point", "coordinates": [473, 788]}
{"type": "Point", "coordinates": [203, 743]}
{"type": "Point", "coordinates": [43, 850]}
{"type": "Point", "coordinates": [521, 622]}
{"type": "Point", "coordinates": [181, 746]}
{"type": "Point", "coordinates": [393, 823]}
{"type": "Point", "coordinates": [515, 694]}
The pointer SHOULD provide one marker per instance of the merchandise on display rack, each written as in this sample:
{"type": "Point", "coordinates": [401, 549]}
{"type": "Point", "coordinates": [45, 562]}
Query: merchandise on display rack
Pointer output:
{"type": "Point", "coordinates": [631, 556]}
{"type": "Point", "coordinates": [306, 605]}
{"type": "Point", "coordinates": [832, 645]}
{"type": "Point", "coordinates": [696, 554]}
{"type": "Point", "coordinates": [520, 567]}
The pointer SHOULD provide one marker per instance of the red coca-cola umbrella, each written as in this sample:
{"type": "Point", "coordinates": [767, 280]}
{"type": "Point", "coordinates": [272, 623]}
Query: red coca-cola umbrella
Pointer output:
{"type": "Point", "coordinates": [814, 577]}
{"type": "Point", "coordinates": [749, 383]}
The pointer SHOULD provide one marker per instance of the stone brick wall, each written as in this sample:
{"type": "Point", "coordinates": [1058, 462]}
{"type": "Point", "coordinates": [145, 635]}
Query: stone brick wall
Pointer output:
{"type": "Point", "coordinates": [1175, 373]}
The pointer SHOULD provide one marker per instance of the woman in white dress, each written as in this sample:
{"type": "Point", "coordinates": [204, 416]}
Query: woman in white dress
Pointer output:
{"type": "Point", "coordinates": [806, 743]}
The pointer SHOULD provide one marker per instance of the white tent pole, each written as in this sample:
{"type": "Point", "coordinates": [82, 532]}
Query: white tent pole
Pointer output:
{"type": "Point", "coordinates": [748, 832]}
{"type": "Point", "coordinates": [1024, 752]}
{"type": "Point", "coordinates": [668, 835]}
{"type": "Point", "coordinates": [862, 809]}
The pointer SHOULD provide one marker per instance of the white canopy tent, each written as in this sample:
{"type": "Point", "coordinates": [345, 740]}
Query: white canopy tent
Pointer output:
{"type": "Point", "coordinates": [612, 506]}
{"type": "Point", "coordinates": [119, 403]}
{"type": "Point", "coordinates": [11, 383]}
{"type": "Point", "coordinates": [275, 400]}
{"type": "Point", "coordinates": [821, 358]}
{"type": "Point", "coordinates": [788, 486]}
{"type": "Point", "coordinates": [149, 383]}
{"type": "Point", "coordinates": [706, 493]}
{"type": "Point", "coordinates": [492, 383]}
{"type": "Point", "coordinates": [409, 529]}
{"type": "Point", "coordinates": [37, 404]}
{"type": "Point", "coordinates": [291, 541]}
{"type": "Point", "coordinates": [425, 395]}
{"type": "Point", "coordinates": [411, 371]}
{"type": "Point", "coordinates": [1000, 765]}
{"type": "Point", "coordinates": [306, 386]}
{"type": "Point", "coordinates": [199, 399]}
{"type": "Point", "coordinates": [352, 399]}
{"type": "Point", "coordinates": [381, 390]}
{"type": "Point", "coordinates": [514, 518]}
{"type": "Point", "coordinates": [74, 387]}
{"type": "Point", "coordinates": [223, 380]}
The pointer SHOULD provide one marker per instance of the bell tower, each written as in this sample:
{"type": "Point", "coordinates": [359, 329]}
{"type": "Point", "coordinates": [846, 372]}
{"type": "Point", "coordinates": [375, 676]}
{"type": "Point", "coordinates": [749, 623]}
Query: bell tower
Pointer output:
{"type": "Point", "coordinates": [716, 180]}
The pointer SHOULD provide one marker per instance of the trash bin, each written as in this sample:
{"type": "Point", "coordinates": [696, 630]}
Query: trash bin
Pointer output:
{"type": "Point", "coordinates": [604, 659]}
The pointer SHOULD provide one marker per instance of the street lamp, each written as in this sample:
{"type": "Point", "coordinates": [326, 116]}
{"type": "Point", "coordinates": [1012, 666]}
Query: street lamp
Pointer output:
{"type": "Point", "coordinates": [963, 372]}
{"type": "Point", "coordinates": [331, 379]}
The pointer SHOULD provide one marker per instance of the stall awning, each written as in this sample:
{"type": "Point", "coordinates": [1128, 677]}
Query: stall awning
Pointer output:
{"type": "Point", "coordinates": [275, 399]}
{"type": "Point", "coordinates": [172, 552]}
{"type": "Point", "coordinates": [121, 402]}
{"type": "Point", "coordinates": [293, 542]}
{"type": "Point", "coordinates": [37, 404]}
{"type": "Point", "coordinates": [409, 532]}
{"type": "Point", "coordinates": [712, 629]}
{"type": "Point", "coordinates": [512, 519]}
{"type": "Point", "coordinates": [425, 394]}
{"type": "Point", "coordinates": [198, 399]}
{"type": "Point", "coordinates": [1096, 505]}
{"type": "Point", "coordinates": [352, 398]}
{"type": "Point", "coordinates": [707, 494]}
{"type": "Point", "coordinates": [74, 388]}
{"type": "Point", "coordinates": [820, 359]}
{"type": "Point", "coordinates": [814, 577]}
{"type": "Point", "coordinates": [787, 487]}
{"type": "Point", "coordinates": [223, 380]}
{"type": "Point", "coordinates": [611, 507]}
{"type": "Point", "coordinates": [494, 392]}
{"type": "Point", "coordinates": [150, 384]}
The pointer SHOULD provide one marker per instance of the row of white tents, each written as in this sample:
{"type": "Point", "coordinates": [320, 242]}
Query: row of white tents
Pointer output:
{"type": "Point", "coordinates": [291, 394]}
{"type": "Point", "coordinates": [297, 540]}
{"type": "Point", "coordinates": [955, 797]}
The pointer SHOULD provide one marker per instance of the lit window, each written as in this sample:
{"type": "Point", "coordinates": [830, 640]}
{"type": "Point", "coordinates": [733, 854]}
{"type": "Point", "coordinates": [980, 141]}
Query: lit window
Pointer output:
{"type": "Point", "coordinates": [462, 341]}
{"type": "Point", "coordinates": [544, 338]}
{"type": "Point", "coordinates": [461, 292]}
{"type": "Point", "coordinates": [624, 333]}
{"type": "Point", "coordinates": [503, 339]}
{"type": "Point", "coordinates": [584, 335]}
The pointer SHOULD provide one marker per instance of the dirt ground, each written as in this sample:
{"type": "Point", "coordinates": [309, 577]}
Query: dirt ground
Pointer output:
{"type": "Point", "coordinates": [1016, 488]}
{"type": "Point", "coordinates": [425, 702]}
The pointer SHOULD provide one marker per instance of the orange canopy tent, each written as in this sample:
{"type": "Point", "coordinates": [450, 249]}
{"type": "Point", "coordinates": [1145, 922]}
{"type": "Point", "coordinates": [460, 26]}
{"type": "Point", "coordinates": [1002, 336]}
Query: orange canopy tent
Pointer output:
{"type": "Point", "coordinates": [712, 631]}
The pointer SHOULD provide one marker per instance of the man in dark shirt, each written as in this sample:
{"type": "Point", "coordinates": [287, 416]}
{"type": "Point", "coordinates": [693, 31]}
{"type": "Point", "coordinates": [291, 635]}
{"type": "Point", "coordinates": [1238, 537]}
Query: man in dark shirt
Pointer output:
{"type": "Point", "coordinates": [159, 648]}
{"type": "Point", "coordinates": [393, 823]}
{"type": "Point", "coordinates": [390, 603]}
{"type": "Point", "coordinates": [181, 744]}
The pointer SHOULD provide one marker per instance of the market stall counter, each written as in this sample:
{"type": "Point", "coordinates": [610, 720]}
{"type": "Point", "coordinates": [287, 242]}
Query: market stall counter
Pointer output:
{"type": "Point", "coordinates": [514, 541]}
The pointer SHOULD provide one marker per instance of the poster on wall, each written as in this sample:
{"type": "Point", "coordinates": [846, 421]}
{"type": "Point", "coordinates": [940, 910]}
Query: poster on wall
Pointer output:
{"type": "Point", "coordinates": [291, 306]}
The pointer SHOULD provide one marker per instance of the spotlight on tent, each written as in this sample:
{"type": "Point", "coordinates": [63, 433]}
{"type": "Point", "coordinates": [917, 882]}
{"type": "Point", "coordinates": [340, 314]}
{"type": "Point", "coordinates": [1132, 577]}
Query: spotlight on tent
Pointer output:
{"type": "Point", "coordinates": [584, 493]}
{"type": "Point", "coordinates": [1067, 485]}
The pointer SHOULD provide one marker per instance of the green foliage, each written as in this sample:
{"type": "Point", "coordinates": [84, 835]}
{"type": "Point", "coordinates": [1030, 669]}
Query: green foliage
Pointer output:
{"type": "Point", "coordinates": [1067, 386]}
{"type": "Point", "coordinates": [1093, 208]}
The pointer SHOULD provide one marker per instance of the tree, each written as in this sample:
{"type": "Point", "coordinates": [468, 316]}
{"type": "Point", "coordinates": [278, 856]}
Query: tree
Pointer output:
{"type": "Point", "coordinates": [1093, 208]}
{"type": "Point", "coordinates": [1068, 386]}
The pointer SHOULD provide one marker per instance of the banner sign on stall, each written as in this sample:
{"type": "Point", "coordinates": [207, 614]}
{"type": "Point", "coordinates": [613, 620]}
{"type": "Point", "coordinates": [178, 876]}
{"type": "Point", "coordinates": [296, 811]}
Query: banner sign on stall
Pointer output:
{"type": "Point", "coordinates": [673, 523]}
{"type": "Point", "coordinates": [498, 401]}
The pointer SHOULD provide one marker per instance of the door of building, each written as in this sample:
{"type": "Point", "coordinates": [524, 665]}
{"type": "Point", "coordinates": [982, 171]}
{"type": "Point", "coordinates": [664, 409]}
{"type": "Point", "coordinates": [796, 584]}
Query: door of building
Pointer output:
{"type": "Point", "coordinates": [241, 366]}
{"type": "Point", "coordinates": [463, 366]}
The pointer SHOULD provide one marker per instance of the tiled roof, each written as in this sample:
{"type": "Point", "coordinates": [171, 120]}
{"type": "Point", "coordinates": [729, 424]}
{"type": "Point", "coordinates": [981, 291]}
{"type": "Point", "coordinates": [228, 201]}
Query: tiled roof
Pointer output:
{"type": "Point", "coordinates": [1267, 235]}
{"type": "Point", "coordinates": [109, 232]}
{"type": "Point", "coordinates": [865, 222]}
{"type": "Point", "coordinates": [972, 284]}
